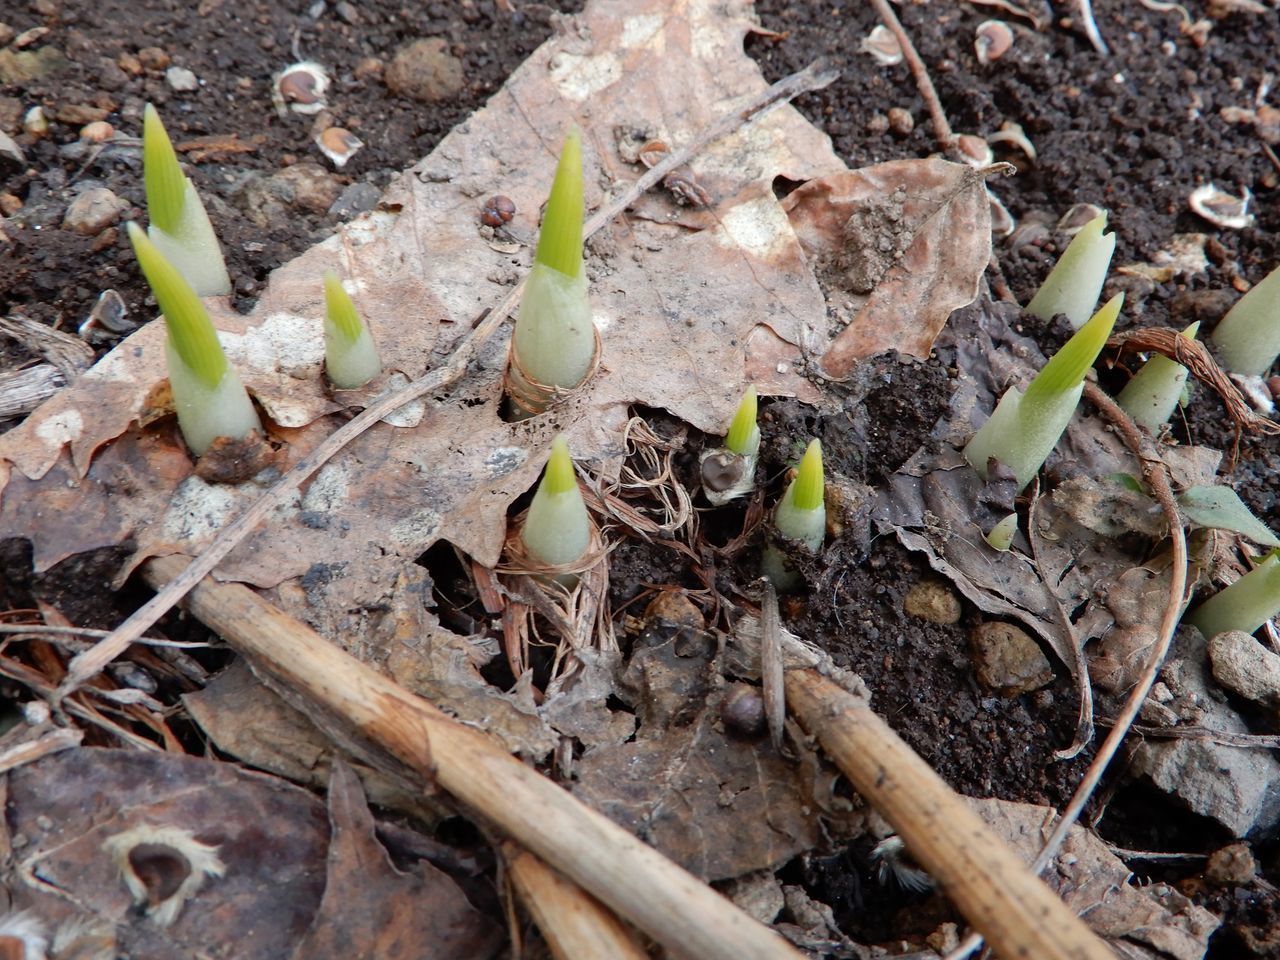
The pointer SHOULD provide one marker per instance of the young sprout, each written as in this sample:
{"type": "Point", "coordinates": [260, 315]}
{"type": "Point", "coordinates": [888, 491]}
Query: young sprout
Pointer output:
{"type": "Point", "coordinates": [180, 228]}
{"type": "Point", "coordinates": [729, 472]}
{"type": "Point", "coordinates": [800, 518]}
{"type": "Point", "coordinates": [554, 344]}
{"type": "Point", "coordinates": [1245, 605]}
{"type": "Point", "coordinates": [557, 530]}
{"type": "Point", "coordinates": [1025, 427]}
{"type": "Point", "coordinates": [1149, 398]}
{"type": "Point", "coordinates": [1002, 534]}
{"type": "Point", "coordinates": [207, 393]}
{"type": "Point", "coordinates": [350, 357]}
{"type": "Point", "coordinates": [1248, 337]}
{"type": "Point", "coordinates": [1074, 284]}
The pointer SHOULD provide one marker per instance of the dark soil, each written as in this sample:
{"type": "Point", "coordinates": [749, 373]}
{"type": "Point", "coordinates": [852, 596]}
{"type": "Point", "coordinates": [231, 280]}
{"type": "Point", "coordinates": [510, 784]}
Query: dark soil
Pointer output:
{"type": "Point", "coordinates": [1134, 133]}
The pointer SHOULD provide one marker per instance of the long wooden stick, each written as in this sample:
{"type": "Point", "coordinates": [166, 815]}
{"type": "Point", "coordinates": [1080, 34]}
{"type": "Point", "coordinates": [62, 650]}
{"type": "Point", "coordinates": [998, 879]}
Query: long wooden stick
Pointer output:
{"type": "Point", "coordinates": [663, 900]}
{"type": "Point", "coordinates": [575, 924]}
{"type": "Point", "coordinates": [991, 886]}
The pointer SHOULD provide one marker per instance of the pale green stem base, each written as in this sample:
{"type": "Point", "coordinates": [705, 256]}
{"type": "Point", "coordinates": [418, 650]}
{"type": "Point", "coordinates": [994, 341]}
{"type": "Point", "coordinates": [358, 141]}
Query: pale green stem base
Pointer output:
{"type": "Point", "coordinates": [1248, 338]}
{"type": "Point", "coordinates": [350, 365]}
{"type": "Point", "coordinates": [557, 529]}
{"type": "Point", "coordinates": [1022, 435]}
{"type": "Point", "coordinates": [805, 528]}
{"type": "Point", "coordinates": [193, 249]}
{"type": "Point", "coordinates": [206, 413]}
{"type": "Point", "coordinates": [1245, 605]}
{"type": "Point", "coordinates": [1153, 393]}
{"type": "Point", "coordinates": [554, 335]}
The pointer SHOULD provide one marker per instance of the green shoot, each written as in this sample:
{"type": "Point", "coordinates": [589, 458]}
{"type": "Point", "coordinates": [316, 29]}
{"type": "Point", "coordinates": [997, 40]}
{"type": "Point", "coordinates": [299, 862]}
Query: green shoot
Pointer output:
{"type": "Point", "coordinates": [557, 530]}
{"type": "Point", "coordinates": [744, 435]}
{"type": "Point", "coordinates": [1248, 337]}
{"type": "Point", "coordinates": [800, 517]}
{"type": "Point", "coordinates": [180, 228]}
{"type": "Point", "coordinates": [1155, 390]}
{"type": "Point", "coordinates": [207, 393]}
{"type": "Point", "coordinates": [1245, 605]}
{"type": "Point", "coordinates": [350, 357]}
{"type": "Point", "coordinates": [1025, 427]}
{"type": "Point", "coordinates": [1075, 283]}
{"type": "Point", "coordinates": [1002, 534]}
{"type": "Point", "coordinates": [554, 343]}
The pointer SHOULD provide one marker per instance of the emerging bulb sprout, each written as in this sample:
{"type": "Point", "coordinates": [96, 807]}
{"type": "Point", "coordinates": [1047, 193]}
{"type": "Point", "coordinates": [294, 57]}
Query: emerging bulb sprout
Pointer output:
{"type": "Point", "coordinates": [209, 398]}
{"type": "Point", "coordinates": [1245, 605]}
{"type": "Point", "coordinates": [729, 472]}
{"type": "Point", "coordinates": [557, 530]}
{"type": "Point", "coordinates": [800, 518]}
{"type": "Point", "coordinates": [1025, 427]}
{"type": "Point", "coordinates": [1075, 282]}
{"type": "Point", "coordinates": [554, 346]}
{"type": "Point", "coordinates": [1002, 534]}
{"type": "Point", "coordinates": [180, 228]}
{"type": "Point", "coordinates": [1248, 337]}
{"type": "Point", "coordinates": [350, 357]}
{"type": "Point", "coordinates": [1149, 398]}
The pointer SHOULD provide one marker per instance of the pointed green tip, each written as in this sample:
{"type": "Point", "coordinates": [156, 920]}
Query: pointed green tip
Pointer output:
{"type": "Point", "coordinates": [165, 183]}
{"type": "Point", "coordinates": [1192, 330]}
{"type": "Point", "coordinates": [339, 309]}
{"type": "Point", "coordinates": [1067, 367]}
{"type": "Point", "coordinates": [1093, 228]}
{"type": "Point", "coordinates": [559, 476]}
{"type": "Point", "coordinates": [560, 240]}
{"type": "Point", "coordinates": [809, 482]}
{"type": "Point", "coordinates": [744, 423]}
{"type": "Point", "coordinates": [186, 319]}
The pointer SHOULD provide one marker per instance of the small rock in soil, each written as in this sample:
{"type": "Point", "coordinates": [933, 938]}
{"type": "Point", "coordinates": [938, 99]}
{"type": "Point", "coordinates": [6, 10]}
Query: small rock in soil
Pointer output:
{"type": "Point", "coordinates": [426, 71]}
{"type": "Point", "coordinates": [182, 80]}
{"type": "Point", "coordinates": [1007, 660]}
{"type": "Point", "coordinates": [1243, 665]}
{"type": "Point", "coordinates": [934, 601]}
{"type": "Point", "coordinates": [93, 211]}
{"type": "Point", "coordinates": [305, 185]}
{"type": "Point", "coordinates": [355, 199]}
{"type": "Point", "coordinates": [1231, 866]}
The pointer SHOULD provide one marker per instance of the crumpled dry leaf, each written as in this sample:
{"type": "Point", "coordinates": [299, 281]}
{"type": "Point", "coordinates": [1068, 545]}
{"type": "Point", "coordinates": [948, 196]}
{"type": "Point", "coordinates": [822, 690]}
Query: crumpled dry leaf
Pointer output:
{"type": "Point", "coordinates": [897, 246]}
{"type": "Point", "coordinates": [270, 835]}
{"type": "Point", "coordinates": [718, 803]}
{"type": "Point", "coordinates": [1140, 921]}
{"type": "Point", "coordinates": [371, 909]}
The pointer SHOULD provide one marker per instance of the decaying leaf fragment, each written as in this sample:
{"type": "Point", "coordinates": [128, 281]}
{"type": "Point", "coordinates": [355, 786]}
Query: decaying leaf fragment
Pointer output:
{"type": "Point", "coordinates": [898, 247]}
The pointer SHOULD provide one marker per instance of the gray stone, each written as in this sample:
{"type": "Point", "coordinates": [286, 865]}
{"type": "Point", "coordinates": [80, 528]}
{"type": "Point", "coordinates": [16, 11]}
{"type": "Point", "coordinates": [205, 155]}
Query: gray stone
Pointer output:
{"type": "Point", "coordinates": [182, 80]}
{"type": "Point", "coordinates": [1237, 786]}
{"type": "Point", "coordinates": [355, 199]}
{"type": "Point", "coordinates": [1232, 866]}
{"type": "Point", "coordinates": [1007, 660]}
{"type": "Point", "coordinates": [425, 70]}
{"type": "Point", "coordinates": [93, 211]}
{"type": "Point", "coordinates": [1244, 666]}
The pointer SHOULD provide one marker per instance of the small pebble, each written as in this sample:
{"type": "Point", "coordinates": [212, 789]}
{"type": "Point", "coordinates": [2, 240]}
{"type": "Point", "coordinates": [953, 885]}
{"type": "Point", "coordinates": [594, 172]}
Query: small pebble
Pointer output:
{"type": "Point", "coordinates": [1244, 666]}
{"type": "Point", "coordinates": [97, 132]}
{"type": "Point", "coordinates": [93, 211]}
{"type": "Point", "coordinates": [1007, 660]}
{"type": "Point", "coordinates": [1231, 866]}
{"type": "Point", "coordinates": [934, 601]}
{"type": "Point", "coordinates": [153, 58]}
{"type": "Point", "coordinates": [181, 79]}
{"type": "Point", "coordinates": [424, 70]}
{"type": "Point", "coordinates": [901, 122]}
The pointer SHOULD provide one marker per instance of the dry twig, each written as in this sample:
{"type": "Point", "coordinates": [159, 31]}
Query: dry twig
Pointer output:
{"type": "Point", "coordinates": [941, 127]}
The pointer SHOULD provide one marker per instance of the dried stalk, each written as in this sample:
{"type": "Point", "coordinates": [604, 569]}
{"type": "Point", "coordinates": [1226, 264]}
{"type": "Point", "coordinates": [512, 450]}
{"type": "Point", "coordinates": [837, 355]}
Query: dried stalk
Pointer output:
{"type": "Point", "coordinates": [91, 662]}
{"type": "Point", "coordinates": [986, 880]}
{"type": "Point", "coordinates": [575, 924]}
{"type": "Point", "coordinates": [941, 127]}
{"type": "Point", "coordinates": [641, 885]}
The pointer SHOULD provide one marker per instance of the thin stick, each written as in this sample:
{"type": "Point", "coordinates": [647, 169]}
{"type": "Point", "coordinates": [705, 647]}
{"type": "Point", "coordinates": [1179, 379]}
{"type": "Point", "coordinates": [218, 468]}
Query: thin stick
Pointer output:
{"type": "Point", "coordinates": [1156, 474]}
{"type": "Point", "coordinates": [575, 924]}
{"type": "Point", "coordinates": [44, 629]}
{"type": "Point", "coordinates": [1091, 27]}
{"type": "Point", "coordinates": [941, 128]}
{"type": "Point", "coordinates": [91, 662]}
{"type": "Point", "coordinates": [978, 871]}
{"type": "Point", "coordinates": [641, 885]}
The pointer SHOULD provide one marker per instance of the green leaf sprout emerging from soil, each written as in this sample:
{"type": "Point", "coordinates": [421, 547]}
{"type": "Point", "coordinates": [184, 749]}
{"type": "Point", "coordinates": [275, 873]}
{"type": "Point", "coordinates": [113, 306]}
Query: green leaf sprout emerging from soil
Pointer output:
{"type": "Point", "coordinates": [557, 530]}
{"type": "Point", "coordinates": [729, 472]}
{"type": "Point", "coordinates": [1245, 605]}
{"type": "Point", "coordinates": [1002, 534]}
{"type": "Point", "coordinates": [1025, 427]}
{"type": "Point", "coordinates": [800, 517]}
{"type": "Point", "coordinates": [1248, 337]}
{"type": "Point", "coordinates": [207, 393]}
{"type": "Point", "coordinates": [555, 339]}
{"type": "Point", "coordinates": [1075, 283]}
{"type": "Point", "coordinates": [1150, 397]}
{"type": "Point", "coordinates": [180, 228]}
{"type": "Point", "coordinates": [350, 357]}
